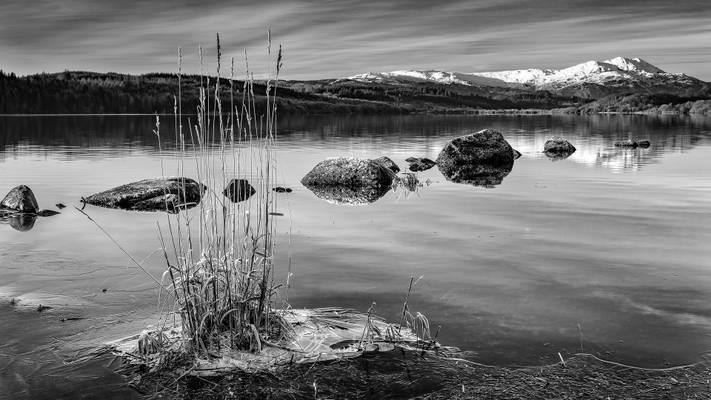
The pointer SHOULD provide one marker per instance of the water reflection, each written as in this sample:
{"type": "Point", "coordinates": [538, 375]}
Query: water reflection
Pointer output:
{"type": "Point", "coordinates": [356, 196]}
{"type": "Point", "coordinates": [19, 221]}
{"type": "Point", "coordinates": [100, 137]}
{"type": "Point", "coordinates": [482, 175]}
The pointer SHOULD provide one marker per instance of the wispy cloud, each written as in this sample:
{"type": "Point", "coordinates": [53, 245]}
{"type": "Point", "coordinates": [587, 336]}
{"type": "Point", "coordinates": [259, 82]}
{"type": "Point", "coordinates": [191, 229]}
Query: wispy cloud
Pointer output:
{"type": "Point", "coordinates": [332, 39]}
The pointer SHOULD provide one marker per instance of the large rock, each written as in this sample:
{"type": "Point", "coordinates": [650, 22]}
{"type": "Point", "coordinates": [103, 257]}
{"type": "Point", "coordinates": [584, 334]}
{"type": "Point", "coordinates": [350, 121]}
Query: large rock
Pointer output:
{"type": "Point", "coordinates": [239, 190]}
{"type": "Point", "coordinates": [558, 148]}
{"type": "Point", "coordinates": [484, 147]}
{"type": "Point", "coordinates": [349, 180]}
{"type": "Point", "coordinates": [159, 194]}
{"type": "Point", "coordinates": [20, 199]}
{"type": "Point", "coordinates": [483, 158]}
{"type": "Point", "coordinates": [387, 163]}
{"type": "Point", "coordinates": [349, 172]}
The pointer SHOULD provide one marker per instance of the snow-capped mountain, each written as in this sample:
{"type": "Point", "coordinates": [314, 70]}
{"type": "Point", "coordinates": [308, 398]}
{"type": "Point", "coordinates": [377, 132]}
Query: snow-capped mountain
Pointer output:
{"type": "Point", "coordinates": [409, 76]}
{"type": "Point", "coordinates": [588, 79]}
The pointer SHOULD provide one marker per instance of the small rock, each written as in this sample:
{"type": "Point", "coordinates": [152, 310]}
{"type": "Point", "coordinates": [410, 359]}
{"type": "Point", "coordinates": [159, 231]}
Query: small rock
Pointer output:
{"type": "Point", "coordinates": [239, 190]}
{"type": "Point", "coordinates": [41, 308]}
{"type": "Point", "coordinates": [420, 164]}
{"type": "Point", "coordinates": [644, 144]}
{"type": "Point", "coordinates": [516, 154]}
{"type": "Point", "coordinates": [20, 199]}
{"type": "Point", "coordinates": [629, 143]}
{"type": "Point", "coordinates": [47, 213]}
{"type": "Point", "coordinates": [280, 189]}
{"type": "Point", "coordinates": [60, 206]}
{"type": "Point", "coordinates": [387, 163]}
{"type": "Point", "coordinates": [558, 145]}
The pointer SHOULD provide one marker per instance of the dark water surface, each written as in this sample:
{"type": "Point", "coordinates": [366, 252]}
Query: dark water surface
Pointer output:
{"type": "Point", "coordinates": [607, 250]}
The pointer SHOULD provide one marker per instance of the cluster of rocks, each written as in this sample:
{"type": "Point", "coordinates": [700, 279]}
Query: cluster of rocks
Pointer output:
{"type": "Point", "coordinates": [483, 158]}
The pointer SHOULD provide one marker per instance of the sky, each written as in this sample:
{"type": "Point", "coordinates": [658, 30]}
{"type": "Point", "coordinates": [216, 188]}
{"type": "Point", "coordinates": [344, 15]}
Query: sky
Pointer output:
{"type": "Point", "coordinates": [331, 39]}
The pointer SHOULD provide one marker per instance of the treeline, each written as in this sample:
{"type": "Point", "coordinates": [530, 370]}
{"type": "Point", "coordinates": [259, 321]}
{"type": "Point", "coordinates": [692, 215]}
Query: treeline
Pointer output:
{"type": "Point", "coordinates": [95, 93]}
{"type": "Point", "coordinates": [649, 103]}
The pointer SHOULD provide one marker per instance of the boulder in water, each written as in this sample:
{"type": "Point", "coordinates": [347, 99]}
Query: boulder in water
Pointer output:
{"type": "Point", "coordinates": [349, 180]}
{"type": "Point", "coordinates": [20, 199]}
{"type": "Point", "coordinates": [484, 147]}
{"type": "Point", "coordinates": [644, 144]}
{"type": "Point", "coordinates": [239, 190]}
{"type": "Point", "coordinates": [558, 148]}
{"type": "Point", "coordinates": [159, 194]}
{"type": "Point", "coordinates": [483, 158]}
{"type": "Point", "coordinates": [349, 172]}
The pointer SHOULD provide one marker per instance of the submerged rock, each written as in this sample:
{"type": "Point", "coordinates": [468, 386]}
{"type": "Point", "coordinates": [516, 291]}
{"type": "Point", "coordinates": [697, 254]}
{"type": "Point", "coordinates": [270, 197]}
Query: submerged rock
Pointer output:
{"type": "Point", "coordinates": [349, 180]}
{"type": "Point", "coordinates": [627, 143]}
{"type": "Point", "coordinates": [483, 158]}
{"type": "Point", "coordinates": [239, 190]}
{"type": "Point", "coordinates": [387, 163]}
{"type": "Point", "coordinates": [159, 194]}
{"type": "Point", "coordinates": [420, 164]}
{"type": "Point", "coordinates": [20, 199]}
{"type": "Point", "coordinates": [558, 148]}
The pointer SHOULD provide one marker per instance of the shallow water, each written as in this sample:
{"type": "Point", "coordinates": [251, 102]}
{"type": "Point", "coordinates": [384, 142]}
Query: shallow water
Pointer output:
{"type": "Point", "coordinates": [605, 251]}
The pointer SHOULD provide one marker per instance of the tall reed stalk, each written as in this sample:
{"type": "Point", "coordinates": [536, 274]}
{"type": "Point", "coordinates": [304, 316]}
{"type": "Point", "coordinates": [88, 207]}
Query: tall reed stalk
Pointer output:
{"type": "Point", "coordinates": [220, 255]}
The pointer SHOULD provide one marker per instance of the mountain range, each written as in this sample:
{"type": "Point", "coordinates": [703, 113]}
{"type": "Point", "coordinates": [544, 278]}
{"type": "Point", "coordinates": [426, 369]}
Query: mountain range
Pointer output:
{"type": "Point", "coordinates": [591, 79]}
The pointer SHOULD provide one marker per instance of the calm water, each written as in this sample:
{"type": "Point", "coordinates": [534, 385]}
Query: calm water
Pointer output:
{"type": "Point", "coordinates": [608, 249]}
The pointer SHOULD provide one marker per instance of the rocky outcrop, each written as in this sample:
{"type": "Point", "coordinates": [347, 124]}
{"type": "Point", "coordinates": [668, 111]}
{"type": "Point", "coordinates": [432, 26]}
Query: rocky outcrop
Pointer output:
{"type": "Point", "coordinates": [558, 148]}
{"type": "Point", "coordinates": [483, 158]}
{"type": "Point", "coordinates": [418, 164]}
{"type": "Point", "coordinates": [239, 190]}
{"type": "Point", "coordinates": [387, 163]}
{"type": "Point", "coordinates": [349, 180]}
{"type": "Point", "coordinates": [159, 194]}
{"type": "Point", "coordinates": [20, 199]}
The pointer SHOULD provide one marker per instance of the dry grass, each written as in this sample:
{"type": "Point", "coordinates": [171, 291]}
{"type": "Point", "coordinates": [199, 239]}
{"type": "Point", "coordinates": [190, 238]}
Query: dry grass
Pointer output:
{"type": "Point", "coordinates": [220, 256]}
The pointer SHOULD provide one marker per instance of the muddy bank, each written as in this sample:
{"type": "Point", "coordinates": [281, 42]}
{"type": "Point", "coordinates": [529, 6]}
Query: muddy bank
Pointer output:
{"type": "Point", "coordinates": [408, 374]}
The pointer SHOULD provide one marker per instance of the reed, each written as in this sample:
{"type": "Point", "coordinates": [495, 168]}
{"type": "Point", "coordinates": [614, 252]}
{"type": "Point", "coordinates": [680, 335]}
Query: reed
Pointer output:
{"type": "Point", "coordinates": [220, 254]}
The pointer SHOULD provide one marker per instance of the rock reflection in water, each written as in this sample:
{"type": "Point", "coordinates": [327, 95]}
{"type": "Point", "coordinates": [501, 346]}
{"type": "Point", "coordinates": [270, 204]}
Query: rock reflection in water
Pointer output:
{"type": "Point", "coordinates": [557, 156]}
{"type": "Point", "coordinates": [19, 221]}
{"type": "Point", "coordinates": [483, 175]}
{"type": "Point", "coordinates": [349, 195]}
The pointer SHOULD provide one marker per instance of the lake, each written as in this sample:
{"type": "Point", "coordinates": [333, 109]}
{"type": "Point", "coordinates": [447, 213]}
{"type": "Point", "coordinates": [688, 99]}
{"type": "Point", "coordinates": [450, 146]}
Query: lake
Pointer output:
{"type": "Point", "coordinates": [605, 252]}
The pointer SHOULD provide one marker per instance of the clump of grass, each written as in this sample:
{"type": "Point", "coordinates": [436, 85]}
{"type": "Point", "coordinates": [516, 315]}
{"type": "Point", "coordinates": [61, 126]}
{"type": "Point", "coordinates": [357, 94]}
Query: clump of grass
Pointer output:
{"type": "Point", "coordinates": [220, 256]}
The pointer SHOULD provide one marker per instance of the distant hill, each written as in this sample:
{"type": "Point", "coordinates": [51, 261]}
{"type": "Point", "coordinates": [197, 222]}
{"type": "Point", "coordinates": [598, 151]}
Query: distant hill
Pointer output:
{"type": "Point", "coordinates": [615, 85]}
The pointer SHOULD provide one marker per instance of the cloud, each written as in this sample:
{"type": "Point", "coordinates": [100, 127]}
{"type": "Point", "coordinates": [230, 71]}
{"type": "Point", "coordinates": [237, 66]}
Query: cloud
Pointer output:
{"type": "Point", "coordinates": [332, 39]}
